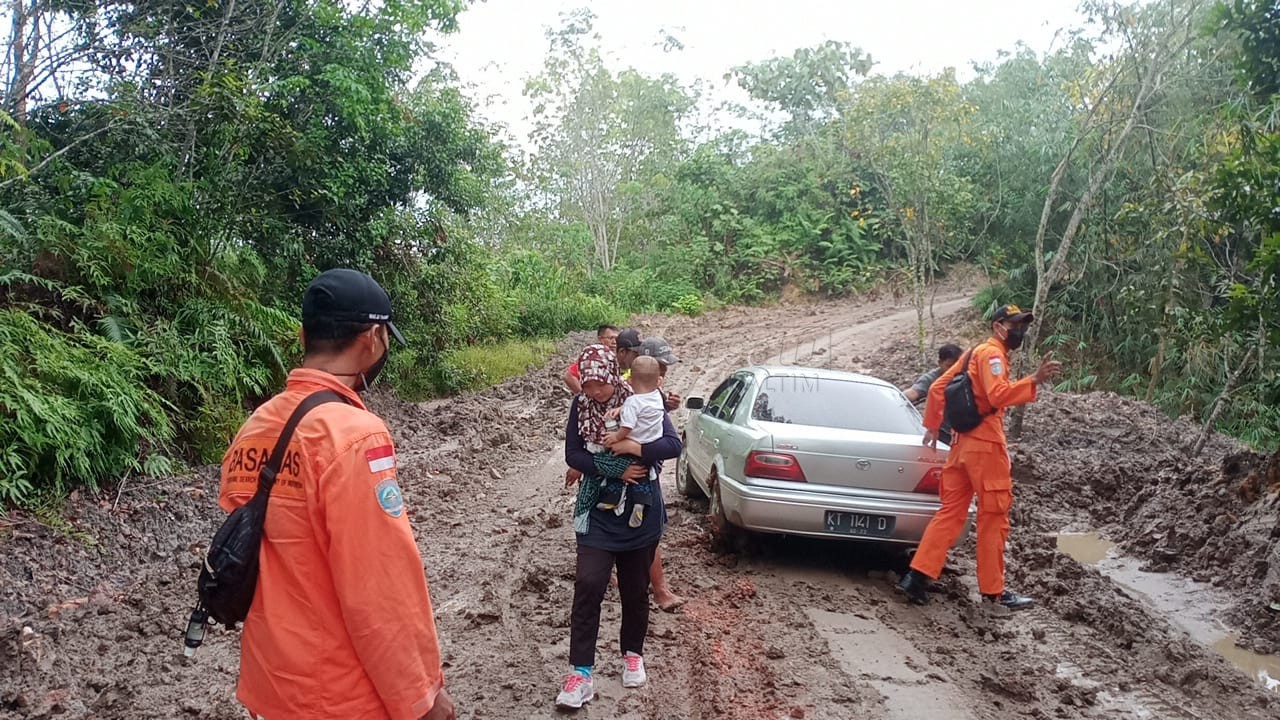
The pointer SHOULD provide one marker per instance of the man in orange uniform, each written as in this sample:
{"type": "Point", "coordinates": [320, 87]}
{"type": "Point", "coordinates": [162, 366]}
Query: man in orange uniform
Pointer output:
{"type": "Point", "coordinates": [341, 623]}
{"type": "Point", "coordinates": [978, 463]}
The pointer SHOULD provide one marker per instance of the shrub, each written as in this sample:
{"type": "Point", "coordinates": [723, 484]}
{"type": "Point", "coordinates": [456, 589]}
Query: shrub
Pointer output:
{"type": "Point", "coordinates": [641, 290]}
{"type": "Point", "coordinates": [75, 407]}
{"type": "Point", "coordinates": [688, 304]}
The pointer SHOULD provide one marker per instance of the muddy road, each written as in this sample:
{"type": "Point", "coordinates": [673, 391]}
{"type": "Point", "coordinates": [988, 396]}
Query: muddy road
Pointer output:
{"type": "Point", "coordinates": [91, 608]}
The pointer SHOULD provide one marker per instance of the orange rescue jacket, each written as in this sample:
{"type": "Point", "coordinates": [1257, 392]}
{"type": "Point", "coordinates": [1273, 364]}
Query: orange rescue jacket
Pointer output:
{"type": "Point", "coordinates": [989, 373]}
{"type": "Point", "coordinates": [341, 624]}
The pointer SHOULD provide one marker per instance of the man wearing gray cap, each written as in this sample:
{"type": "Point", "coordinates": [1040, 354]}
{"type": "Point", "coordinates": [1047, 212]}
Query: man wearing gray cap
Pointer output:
{"type": "Point", "coordinates": [659, 349]}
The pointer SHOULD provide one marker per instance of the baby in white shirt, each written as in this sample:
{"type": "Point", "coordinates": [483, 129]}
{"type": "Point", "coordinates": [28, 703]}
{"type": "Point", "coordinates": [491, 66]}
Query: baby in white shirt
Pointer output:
{"type": "Point", "coordinates": [640, 419]}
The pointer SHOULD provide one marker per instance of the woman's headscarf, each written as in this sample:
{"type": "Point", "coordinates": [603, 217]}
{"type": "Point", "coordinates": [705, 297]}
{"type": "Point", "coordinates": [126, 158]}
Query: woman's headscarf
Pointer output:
{"type": "Point", "coordinates": [598, 363]}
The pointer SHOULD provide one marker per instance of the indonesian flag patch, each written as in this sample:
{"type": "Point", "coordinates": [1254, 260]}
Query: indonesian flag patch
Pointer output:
{"type": "Point", "coordinates": [381, 458]}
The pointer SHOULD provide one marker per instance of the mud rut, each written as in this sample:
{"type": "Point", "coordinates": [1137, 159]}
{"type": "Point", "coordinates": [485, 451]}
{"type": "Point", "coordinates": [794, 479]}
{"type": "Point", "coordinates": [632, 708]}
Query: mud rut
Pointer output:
{"type": "Point", "coordinates": [789, 628]}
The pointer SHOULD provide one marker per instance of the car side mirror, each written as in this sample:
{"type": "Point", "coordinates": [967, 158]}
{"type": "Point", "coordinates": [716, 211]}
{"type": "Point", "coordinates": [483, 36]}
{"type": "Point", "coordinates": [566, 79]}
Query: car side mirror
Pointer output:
{"type": "Point", "coordinates": [693, 403]}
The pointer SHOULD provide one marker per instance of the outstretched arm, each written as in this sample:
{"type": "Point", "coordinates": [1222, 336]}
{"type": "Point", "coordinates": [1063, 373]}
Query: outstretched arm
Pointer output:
{"type": "Point", "coordinates": [992, 374]}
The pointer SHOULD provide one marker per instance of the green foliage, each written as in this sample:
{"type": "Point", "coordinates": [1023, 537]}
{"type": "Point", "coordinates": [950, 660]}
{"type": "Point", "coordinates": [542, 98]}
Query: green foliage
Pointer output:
{"type": "Point", "coordinates": [159, 222]}
{"type": "Point", "coordinates": [1256, 24]}
{"type": "Point", "coordinates": [466, 368]}
{"type": "Point", "coordinates": [689, 304]}
{"type": "Point", "coordinates": [641, 289]}
{"type": "Point", "coordinates": [76, 408]}
{"type": "Point", "coordinates": [809, 84]}
{"type": "Point", "coordinates": [549, 300]}
{"type": "Point", "coordinates": [603, 140]}
{"type": "Point", "coordinates": [490, 364]}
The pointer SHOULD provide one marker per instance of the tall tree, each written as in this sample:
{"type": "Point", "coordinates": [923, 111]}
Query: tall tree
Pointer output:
{"type": "Point", "coordinates": [906, 131]}
{"type": "Point", "coordinates": [600, 137]}
{"type": "Point", "coordinates": [808, 86]}
{"type": "Point", "coordinates": [1108, 113]}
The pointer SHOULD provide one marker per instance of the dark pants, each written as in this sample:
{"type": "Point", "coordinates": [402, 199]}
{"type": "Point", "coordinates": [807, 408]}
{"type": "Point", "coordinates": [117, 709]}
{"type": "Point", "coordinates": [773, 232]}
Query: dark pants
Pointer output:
{"type": "Point", "coordinates": [588, 592]}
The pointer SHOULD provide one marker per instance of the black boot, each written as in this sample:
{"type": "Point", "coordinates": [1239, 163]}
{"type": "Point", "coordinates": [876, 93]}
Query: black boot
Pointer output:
{"type": "Point", "coordinates": [915, 585]}
{"type": "Point", "coordinates": [1011, 600]}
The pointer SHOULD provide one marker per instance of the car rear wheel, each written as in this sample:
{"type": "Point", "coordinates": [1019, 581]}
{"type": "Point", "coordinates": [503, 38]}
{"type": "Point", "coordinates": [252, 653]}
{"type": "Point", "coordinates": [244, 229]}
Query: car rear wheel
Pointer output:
{"type": "Point", "coordinates": [686, 485]}
{"type": "Point", "coordinates": [725, 536]}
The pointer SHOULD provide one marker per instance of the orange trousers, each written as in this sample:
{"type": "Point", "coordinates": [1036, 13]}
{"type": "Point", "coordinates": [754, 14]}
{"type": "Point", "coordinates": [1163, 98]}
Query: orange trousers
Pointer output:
{"type": "Point", "coordinates": [974, 466]}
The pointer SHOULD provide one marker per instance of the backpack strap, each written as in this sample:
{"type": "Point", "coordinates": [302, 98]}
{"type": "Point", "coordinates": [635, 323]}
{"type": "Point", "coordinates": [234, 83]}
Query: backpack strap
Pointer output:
{"type": "Point", "coordinates": [267, 476]}
{"type": "Point", "coordinates": [967, 356]}
{"type": "Point", "coordinates": [965, 362]}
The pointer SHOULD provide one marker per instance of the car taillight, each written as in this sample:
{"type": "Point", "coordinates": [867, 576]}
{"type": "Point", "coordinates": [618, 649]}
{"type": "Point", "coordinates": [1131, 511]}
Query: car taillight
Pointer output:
{"type": "Point", "coordinates": [774, 466]}
{"type": "Point", "coordinates": [931, 482]}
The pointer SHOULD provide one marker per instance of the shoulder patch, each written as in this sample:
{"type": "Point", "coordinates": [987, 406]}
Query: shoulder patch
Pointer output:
{"type": "Point", "coordinates": [389, 497]}
{"type": "Point", "coordinates": [381, 458]}
{"type": "Point", "coordinates": [997, 367]}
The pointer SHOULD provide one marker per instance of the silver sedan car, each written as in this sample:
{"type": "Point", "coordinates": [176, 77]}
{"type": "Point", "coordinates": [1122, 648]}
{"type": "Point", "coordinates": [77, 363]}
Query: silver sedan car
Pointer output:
{"type": "Point", "coordinates": [806, 451]}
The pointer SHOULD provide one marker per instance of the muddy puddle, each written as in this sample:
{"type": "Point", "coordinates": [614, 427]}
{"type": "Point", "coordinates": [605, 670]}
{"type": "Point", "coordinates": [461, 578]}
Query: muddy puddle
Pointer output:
{"type": "Point", "coordinates": [1194, 607]}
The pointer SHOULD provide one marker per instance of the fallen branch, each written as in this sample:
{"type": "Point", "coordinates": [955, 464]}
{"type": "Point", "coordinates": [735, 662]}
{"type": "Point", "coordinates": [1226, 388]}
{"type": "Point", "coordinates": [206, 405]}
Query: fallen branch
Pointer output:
{"type": "Point", "coordinates": [1220, 402]}
{"type": "Point", "coordinates": [120, 491]}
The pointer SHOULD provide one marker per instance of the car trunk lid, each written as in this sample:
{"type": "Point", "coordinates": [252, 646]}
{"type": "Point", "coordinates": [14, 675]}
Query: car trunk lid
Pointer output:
{"type": "Point", "coordinates": [856, 458]}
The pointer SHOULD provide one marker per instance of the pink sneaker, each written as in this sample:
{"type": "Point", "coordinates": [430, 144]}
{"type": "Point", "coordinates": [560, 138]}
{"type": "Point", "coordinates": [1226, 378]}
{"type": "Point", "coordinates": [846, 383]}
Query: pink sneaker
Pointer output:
{"type": "Point", "coordinates": [633, 671]}
{"type": "Point", "coordinates": [577, 691]}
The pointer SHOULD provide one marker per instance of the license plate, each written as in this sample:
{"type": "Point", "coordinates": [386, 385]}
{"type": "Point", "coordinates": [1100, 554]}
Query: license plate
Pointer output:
{"type": "Point", "coordinates": [860, 524]}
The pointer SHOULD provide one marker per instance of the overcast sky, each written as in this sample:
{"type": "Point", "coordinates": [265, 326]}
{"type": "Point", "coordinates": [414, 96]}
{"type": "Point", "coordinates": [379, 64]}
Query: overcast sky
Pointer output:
{"type": "Point", "coordinates": [502, 42]}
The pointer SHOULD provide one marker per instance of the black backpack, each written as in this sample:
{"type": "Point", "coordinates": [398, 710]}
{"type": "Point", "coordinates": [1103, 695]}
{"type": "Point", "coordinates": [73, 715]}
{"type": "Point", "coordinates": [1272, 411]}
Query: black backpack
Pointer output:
{"type": "Point", "coordinates": [229, 576]}
{"type": "Point", "coordinates": [961, 409]}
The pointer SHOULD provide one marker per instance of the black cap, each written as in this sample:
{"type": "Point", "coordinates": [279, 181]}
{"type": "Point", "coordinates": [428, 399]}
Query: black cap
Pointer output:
{"type": "Point", "coordinates": [1012, 313]}
{"type": "Point", "coordinates": [658, 349]}
{"type": "Point", "coordinates": [349, 296]}
{"type": "Point", "coordinates": [629, 339]}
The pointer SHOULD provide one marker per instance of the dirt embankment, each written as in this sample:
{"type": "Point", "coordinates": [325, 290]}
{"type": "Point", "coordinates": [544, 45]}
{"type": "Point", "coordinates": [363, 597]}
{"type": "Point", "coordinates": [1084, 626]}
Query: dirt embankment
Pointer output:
{"type": "Point", "coordinates": [1127, 467]}
{"type": "Point", "coordinates": [90, 614]}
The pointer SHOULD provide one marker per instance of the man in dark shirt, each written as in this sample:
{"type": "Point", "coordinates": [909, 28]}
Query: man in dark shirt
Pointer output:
{"type": "Point", "coordinates": [947, 356]}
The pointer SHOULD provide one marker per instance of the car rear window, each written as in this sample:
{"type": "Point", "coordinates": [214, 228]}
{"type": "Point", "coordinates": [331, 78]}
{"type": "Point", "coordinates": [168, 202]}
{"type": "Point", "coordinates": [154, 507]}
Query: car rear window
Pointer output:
{"type": "Point", "coordinates": [844, 404]}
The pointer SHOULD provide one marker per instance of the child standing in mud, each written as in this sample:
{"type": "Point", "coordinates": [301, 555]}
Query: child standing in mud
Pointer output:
{"type": "Point", "coordinates": [640, 419]}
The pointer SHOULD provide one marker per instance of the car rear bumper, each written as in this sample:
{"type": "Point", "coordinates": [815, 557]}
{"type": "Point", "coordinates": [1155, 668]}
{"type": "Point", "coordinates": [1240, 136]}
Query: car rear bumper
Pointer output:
{"type": "Point", "coordinates": [803, 512]}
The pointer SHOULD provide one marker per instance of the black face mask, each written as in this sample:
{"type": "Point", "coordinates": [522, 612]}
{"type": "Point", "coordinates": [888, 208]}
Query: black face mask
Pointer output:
{"type": "Point", "coordinates": [1014, 339]}
{"type": "Point", "coordinates": [370, 374]}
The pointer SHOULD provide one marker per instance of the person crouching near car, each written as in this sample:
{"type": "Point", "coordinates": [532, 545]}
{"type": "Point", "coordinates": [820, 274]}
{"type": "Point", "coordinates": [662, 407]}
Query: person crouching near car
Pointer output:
{"type": "Point", "coordinates": [919, 391]}
{"type": "Point", "coordinates": [978, 462]}
{"type": "Point", "coordinates": [605, 538]}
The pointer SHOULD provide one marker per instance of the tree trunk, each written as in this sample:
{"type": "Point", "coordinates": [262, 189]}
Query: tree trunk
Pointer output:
{"type": "Point", "coordinates": [222, 36]}
{"type": "Point", "coordinates": [15, 96]}
{"type": "Point", "coordinates": [1046, 277]}
{"type": "Point", "coordinates": [1157, 363]}
{"type": "Point", "coordinates": [917, 299]}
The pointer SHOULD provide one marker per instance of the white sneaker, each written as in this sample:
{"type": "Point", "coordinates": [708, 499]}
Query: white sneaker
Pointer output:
{"type": "Point", "coordinates": [633, 671]}
{"type": "Point", "coordinates": [577, 691]}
